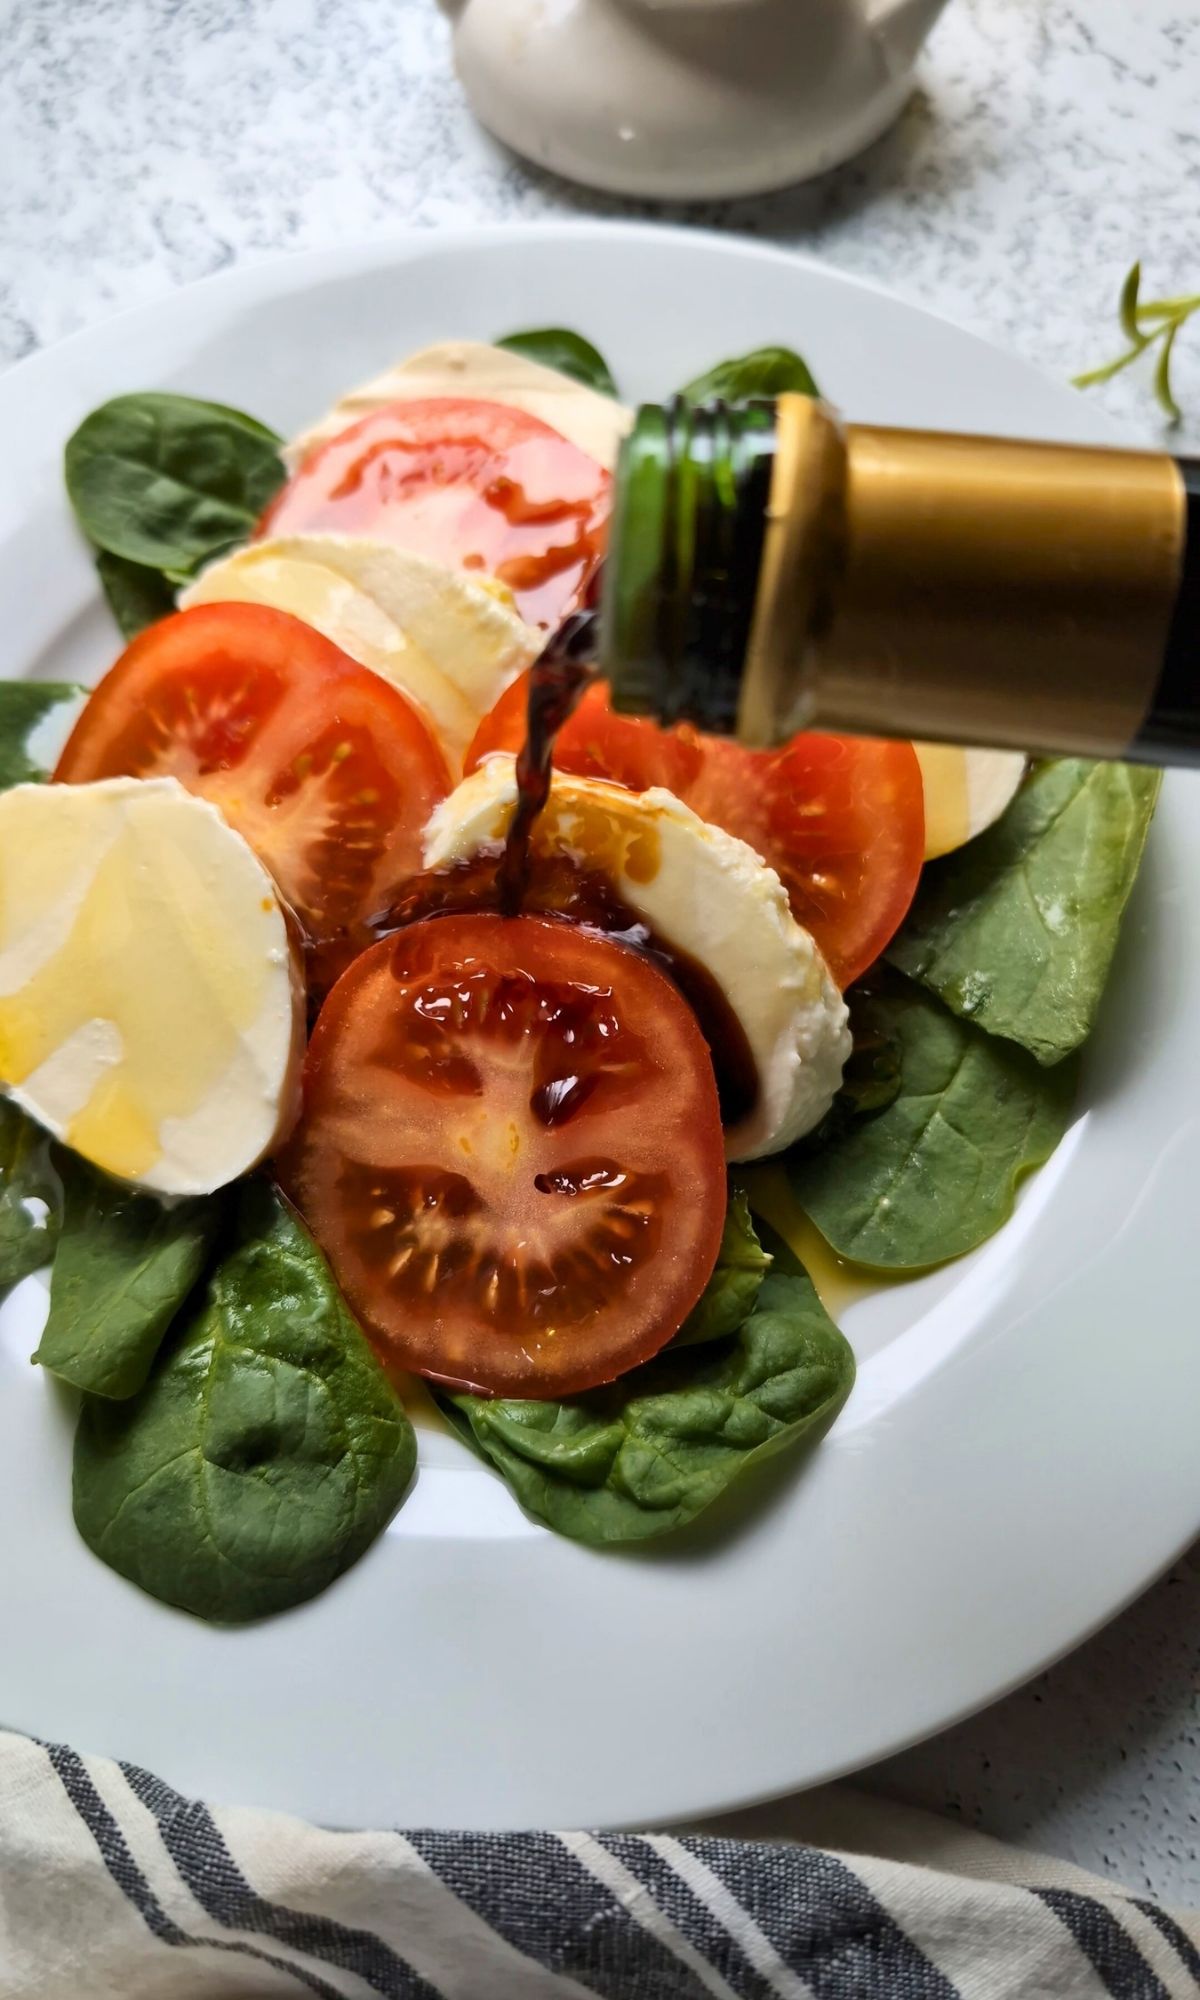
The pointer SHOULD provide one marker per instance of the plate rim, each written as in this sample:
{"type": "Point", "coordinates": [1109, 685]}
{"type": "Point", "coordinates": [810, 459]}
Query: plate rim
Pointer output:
{"type": "Point", "coordinates": [268, 275]}
{"type": "Point", "coordinates": [394, 241]}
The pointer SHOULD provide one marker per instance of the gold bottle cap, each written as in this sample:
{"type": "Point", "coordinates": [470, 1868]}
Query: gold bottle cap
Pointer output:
{"type": "Point", "coordinates": [973, 590]}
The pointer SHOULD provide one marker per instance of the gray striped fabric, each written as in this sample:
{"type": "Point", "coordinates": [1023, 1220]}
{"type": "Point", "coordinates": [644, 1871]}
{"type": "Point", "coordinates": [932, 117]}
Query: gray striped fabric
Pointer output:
{"type": "Point", "coordinates": [112, 1884]}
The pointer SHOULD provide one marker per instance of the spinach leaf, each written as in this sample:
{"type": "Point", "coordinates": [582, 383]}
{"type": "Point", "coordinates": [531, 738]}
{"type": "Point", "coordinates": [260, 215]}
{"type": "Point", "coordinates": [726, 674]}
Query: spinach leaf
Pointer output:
{"type": "Point", "coordinates": [137, 596]}
{"type": "Point", "coordinates": [168, 482]}
{"type": "Point", "coordinates": [24, 707]}
{"type": "Point", "coordinates": [30, 1196]}
{"type": "Point", "coordinates": [871, 1076]}
{"type": "Point", "coordinates": [266, 1451]}
{"type": "Point", "coordinates": [728, 1298]}
{"type": "Point", "coordinates": [652, 1451]}
{"type": "Point", "coordinates": [768, 371]}
{"type": "Point", "coordinates": [124, 1266]}
{"type": "Point", "coordinates": [557, 347]}
{"type": "Point", "coordinates": [1016, 931]}
{"type": "Point", "coordinates": [935, 1172]}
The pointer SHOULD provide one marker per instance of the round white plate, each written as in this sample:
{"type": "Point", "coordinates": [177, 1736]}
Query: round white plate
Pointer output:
{"type": "Point", "coordinates": [1019, 1456]}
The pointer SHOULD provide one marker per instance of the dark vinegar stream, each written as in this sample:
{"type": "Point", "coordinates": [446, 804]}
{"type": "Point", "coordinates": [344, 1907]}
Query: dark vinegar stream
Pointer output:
{"type": "Point", "coordinates": [518, 876]}
{"type": "Point", "coordinates": [556, 681]}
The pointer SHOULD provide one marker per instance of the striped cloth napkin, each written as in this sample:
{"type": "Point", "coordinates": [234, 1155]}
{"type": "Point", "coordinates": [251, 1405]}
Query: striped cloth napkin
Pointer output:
{"type": "Point", "coordinates": [112, 1884]}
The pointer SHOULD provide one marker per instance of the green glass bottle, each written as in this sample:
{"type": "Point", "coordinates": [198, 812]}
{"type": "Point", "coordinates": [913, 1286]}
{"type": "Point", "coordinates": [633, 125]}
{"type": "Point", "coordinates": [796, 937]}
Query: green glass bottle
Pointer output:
{"type": "Point", "coordinates": [770, 569]}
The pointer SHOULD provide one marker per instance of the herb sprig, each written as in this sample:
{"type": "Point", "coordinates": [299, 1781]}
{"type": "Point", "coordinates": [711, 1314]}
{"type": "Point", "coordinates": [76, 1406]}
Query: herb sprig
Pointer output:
{"type": "Point", "coordinates": [1147, 323]}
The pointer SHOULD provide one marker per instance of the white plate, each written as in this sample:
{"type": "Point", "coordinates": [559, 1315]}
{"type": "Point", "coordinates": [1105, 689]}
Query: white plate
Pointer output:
{"type": "Point", "coordinates": [1019, 1456]}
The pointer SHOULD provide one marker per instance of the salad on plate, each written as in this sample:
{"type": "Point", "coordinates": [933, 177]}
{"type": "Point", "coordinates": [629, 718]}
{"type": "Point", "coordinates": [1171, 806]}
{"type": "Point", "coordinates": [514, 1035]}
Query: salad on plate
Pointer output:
{"type": "Point", "coordinates": [302, 1105]}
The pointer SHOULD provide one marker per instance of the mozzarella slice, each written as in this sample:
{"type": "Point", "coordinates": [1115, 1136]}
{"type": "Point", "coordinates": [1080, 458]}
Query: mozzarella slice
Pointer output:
{"type": "Point", "coordinates": [468, 630]}
{"type": "Point", "coordinates": [151, 1004]}
{"type": "Point", "coordinates": [708, 895]}
{"type": "Point", "coordinates": [594, 422]}
{"type": "Point", "coordinates": [965, 791]}
{"type": "Point", "coordinates": [270, 573]}
{"type": "Point", "coordinates": [446, 641]}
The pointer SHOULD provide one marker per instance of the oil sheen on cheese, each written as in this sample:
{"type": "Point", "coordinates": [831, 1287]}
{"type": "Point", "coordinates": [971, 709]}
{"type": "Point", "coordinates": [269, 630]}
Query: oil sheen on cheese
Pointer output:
{"type": "Point", "coordinates": [965, 792]}
{"type": "Point", "coordinates": [150, 1005]}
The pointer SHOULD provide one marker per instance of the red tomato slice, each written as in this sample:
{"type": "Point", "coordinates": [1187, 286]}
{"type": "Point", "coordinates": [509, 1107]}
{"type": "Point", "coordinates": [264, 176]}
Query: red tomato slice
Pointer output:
{"type": "Point", "coordinates": [324, 766]}
{"type": "Point", "coordinates": [511, 1153]}
{"type": "Point", "coordinates": [596, 742]}
{"type": "Point", "coordinates": [473, 485]}
{"type": "Point", "coordinates": [840, 818]}
{"type": "Point", "coordinates": [842, 821]}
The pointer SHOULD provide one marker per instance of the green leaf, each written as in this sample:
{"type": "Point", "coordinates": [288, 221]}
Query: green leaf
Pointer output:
{"type": "Point", "coordinates": [1093, 377]}
{"type": "Point", "coordinates": [166, 481]}
{"type": "Point", "coordinates": [1145, 321]}
{"type": "Point", "coordinates": [1016, 931]}
{"type": "Point", "coordinates": [30, 1196]}
{"type": "Point", "coordinates": [767, 372]}
{"type": "Point", "coordinates": [267, 1449]}
{"type": "Point", "coordinates": [1162, 376]}
{"type": "Point", "coordinates": [728, 1298]}
{"type": "Point", "coordinates": [871, 1076]}
{"type": "Point", "coordinates": [137, 596]}
{"type": "Point", "coordinates": [1177, 308]}
{"type": "Point", "coordinates": [124, 1266]}
{"type": "Point", "coordinates": [936, 1172]}
{"type": "Point", "coordinates": [24, 707]}
{"type": "Point", "coordinates": [557, 347]}
{"type": "Point", "coordinates": [652, 1451]}
{"type": "Point", "coordinates": [1127, 305]}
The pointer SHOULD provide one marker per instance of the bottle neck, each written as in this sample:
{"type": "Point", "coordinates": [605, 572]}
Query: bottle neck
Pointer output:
{"type": "Point", "coordinates": [771, 570]}
{"type": "Point", "coordinates": [686, 544]}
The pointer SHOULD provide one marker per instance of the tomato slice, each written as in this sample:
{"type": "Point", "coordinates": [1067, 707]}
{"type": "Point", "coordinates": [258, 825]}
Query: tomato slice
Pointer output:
{"type": "Point", "coordinates": [471, 484]}
{"type": "Point", "coordinates": [323, 766]}
{"type": "Point", "coordinates": [842, 821]}
{"type": "Point", "coordinates": [597, 742]}
{"type": "Point", "coordinates": [511, 1153]}
{"type": "Point", "coordinates": [840, 818]}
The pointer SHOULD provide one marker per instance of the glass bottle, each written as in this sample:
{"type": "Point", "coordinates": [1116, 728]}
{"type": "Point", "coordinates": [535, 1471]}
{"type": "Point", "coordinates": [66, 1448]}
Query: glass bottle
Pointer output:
{"type": "Point", "coordinates": [771, 570]}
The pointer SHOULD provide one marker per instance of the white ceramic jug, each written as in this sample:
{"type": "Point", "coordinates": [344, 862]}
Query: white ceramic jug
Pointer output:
{"type": "Point", "coordinates": [682, 99]}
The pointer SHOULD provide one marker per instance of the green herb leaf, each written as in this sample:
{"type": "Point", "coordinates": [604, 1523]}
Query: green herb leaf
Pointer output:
{"type": "Point", "coordinates": [30, 1196]}
{"type": "Point", "coordinates": [124, 1266]}
{"type": "Point", "coordinates": [24, 707]}
{"type": "Point", "coordinates": [937, 1171]}
{"type": "Point", "coordinates": [137, 596]}
{"type": "Point", "coordinates": [1158, 309]}
{"type": "Point", "coordinates": [728, 1298]}
{"type": "Point", "coordinates": [871, 1077]}
{"type": "Point", "coordinates": [767, 372]}
{"type": "Point", "coordinates": [1162, 375]}
{"type": "Point", "coordinates": [1127, 305]}
{"type": "Point", "coordinates": [1093, 377]}
{"type": "Point", "coordinates": [557, 347]}
{"type": "Point", "coordinates": [1145, 322]}
{"type": "Point", "coordinates": [166, 481]}
{"type": "Point", "coordinates": [1016, 931]}
{"type": "Point", "coordinates": [652, 1451]}
{"type": "Point", "coordinates": [267, 1449]}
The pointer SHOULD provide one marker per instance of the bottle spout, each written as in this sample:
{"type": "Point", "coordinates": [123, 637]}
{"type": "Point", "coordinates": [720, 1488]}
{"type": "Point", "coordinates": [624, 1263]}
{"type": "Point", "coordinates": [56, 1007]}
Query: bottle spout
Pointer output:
{"type": "Point", "coordinates": [900, 28]}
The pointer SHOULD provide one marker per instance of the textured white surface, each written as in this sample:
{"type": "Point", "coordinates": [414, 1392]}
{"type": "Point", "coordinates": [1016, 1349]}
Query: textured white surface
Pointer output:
{"type": "Point", "coordinates": [147, 142]}
{"type": "Point", "coordinates": [144, 143]}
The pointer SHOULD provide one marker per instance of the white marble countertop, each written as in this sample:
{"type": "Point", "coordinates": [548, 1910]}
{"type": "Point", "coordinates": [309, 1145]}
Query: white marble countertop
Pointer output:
{"type": "Point", "coordinates": [144, 143]}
